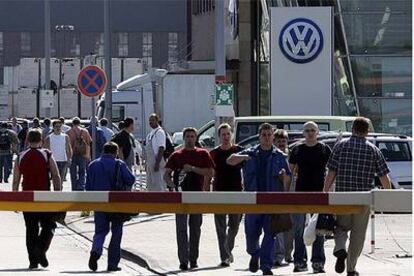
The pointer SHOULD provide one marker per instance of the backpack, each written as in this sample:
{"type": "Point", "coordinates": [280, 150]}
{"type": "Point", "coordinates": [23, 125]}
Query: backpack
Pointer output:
{"type": "Point", "coordinates": [169, 146]}
{"type": "Point", "coordinates": [79, 147]}
{"type": "Point", "coordinates": [5, 141]}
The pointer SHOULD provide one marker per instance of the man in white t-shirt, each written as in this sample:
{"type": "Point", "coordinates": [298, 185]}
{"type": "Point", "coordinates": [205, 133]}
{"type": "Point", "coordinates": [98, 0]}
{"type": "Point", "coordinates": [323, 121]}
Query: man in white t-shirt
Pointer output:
{"type": "Point", "coordinates": [59, 144]}
{"type": "Point", "coordinates": [153, 154]}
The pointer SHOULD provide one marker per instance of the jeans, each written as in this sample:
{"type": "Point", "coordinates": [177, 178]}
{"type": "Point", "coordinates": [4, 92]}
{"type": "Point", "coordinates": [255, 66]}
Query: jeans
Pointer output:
{"type": "Point", "coordinates": [226, 238]}
{"type": "Point", "coordinates": [300, 254]}
{"type": "Point", "coordinates": [102, 225]}
{"type": "Point", "coordinates": [288, 239]}
{"type": "Point", "coordinates": [78, 172]}
{"type": "Point", "coordinates": [61, 168]}
{"type": "Point", "coordinates": [38, 243]}
{"type": "Point", "coordinates": [188, 248]}
{"type": "Point", "coordinates": [279, 248]}
{"type": "Point", "coordinates": [5, 166]}
{"type": "Point", "coordinates": [254, 224]}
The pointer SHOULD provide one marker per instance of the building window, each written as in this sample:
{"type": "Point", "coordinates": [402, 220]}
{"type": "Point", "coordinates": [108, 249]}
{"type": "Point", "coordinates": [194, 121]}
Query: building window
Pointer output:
{"type": "Point", "coordinates": [1, 43]}
{"type": "Point", "coordinates": [75, 46]}
{"type": "Point", "coordinates": [147, 50]}
{"type": "Point", "coordinates": [172, 47]}
{"type": "Point", "coordinates": [123, 44]}
{"type": "Point", "coordinates": [202, 6]}
{"type": "Point", "coordinates": [99, 45]}
{"type": "Point", "coordinates": [25, 43]}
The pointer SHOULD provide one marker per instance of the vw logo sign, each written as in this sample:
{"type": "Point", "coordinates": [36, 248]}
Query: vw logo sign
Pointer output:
{"type": "Point", "coordinates": [301, 40]}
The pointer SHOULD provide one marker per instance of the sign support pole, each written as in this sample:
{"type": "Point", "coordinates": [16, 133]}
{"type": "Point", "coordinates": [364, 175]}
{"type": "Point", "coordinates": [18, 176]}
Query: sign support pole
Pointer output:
{"type": "Point", "coordinates": [220, 56]}
{"type": "Point", "coordinates": [91, 83]}
{"type": "Point", "coordinates": [108, 60]}
{"type": "Point", "coordinates": [47, 51]}
{"type": "Point", "coordinates": [93, 126]}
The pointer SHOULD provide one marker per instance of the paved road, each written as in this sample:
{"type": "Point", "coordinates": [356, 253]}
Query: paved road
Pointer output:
{"type": "Point", "coordinates": [149, 240]}
{"type": "Point", "coordinates": [68, 254]}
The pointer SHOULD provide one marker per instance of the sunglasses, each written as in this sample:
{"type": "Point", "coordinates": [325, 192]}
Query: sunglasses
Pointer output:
{"type": "Point", "coordinates": [310, 130]}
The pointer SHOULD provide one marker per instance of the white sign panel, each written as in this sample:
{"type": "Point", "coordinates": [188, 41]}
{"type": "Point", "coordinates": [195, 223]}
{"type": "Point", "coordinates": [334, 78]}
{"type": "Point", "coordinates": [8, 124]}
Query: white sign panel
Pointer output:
{"type": "Point", "coordinates": [301, 60]}
{"type": "Point", "coordinates": [70, 71]}
{"type": "Point", "coordinates": [46, 99]}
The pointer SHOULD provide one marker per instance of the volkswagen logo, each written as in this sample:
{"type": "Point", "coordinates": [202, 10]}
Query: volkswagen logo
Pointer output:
{"type": "Point", "coordinates": [301, 40]}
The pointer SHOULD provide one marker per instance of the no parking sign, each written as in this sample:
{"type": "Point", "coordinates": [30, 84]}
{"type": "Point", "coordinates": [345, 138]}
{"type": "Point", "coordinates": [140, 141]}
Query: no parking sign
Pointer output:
{"type": "Point", "coordinates": [92, 81]}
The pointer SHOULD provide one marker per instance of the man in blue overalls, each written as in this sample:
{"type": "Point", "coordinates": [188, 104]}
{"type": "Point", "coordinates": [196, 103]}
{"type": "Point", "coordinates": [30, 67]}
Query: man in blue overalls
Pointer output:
{"type": "Point", "coordinates": [107, 173]}
{"type": "Point", "coordinates": [263, 166]}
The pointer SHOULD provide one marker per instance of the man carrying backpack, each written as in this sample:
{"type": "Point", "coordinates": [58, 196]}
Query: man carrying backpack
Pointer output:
{"type": "Point", "coordinates": [80, 141]}
{"type": "Point", "coordinates": [155, 145]}
{"type": "Point", "coordinates": [8, 144]}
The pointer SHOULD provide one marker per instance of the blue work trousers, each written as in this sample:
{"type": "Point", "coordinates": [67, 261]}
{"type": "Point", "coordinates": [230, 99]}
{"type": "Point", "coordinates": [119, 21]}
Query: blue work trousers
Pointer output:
{"type": "Point", "coordinates": [254, 225]}
{"type": "Point", "coordinates": [300, 254]}
{"type": "Point", "coordinates": [102, 225]}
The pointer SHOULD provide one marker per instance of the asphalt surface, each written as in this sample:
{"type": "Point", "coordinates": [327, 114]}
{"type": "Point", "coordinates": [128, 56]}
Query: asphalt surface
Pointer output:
{"type": "Point", "coordinates": [149, 248]}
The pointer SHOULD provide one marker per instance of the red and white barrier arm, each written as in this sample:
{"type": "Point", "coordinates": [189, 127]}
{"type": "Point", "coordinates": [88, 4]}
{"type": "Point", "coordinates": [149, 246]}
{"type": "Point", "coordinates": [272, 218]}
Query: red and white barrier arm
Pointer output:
{"type": "Point", "coordinates": [186, 202]}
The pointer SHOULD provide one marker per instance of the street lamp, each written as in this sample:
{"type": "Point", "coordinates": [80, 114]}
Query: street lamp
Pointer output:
{"type": "Point", "coordinates": [62, 28]}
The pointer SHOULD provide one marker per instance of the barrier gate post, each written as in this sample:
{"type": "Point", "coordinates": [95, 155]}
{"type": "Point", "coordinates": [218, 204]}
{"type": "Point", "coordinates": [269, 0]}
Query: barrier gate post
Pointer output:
{"type": "Point", "coordinates": [372, 215]}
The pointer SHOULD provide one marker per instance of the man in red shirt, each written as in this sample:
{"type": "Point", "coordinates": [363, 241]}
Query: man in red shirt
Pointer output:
{"type": "Point", "coordinates": [190, 165]}
{"type": "Point", "coordinates": [34, 164]}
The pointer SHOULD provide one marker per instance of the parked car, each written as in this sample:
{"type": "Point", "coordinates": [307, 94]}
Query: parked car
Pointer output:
{"type": "Point", "coordinates": [397, 150]}
{"type": "Point", "coordinates": [177, 138]}
{"type": "Point", "coordinates": [245, 127]}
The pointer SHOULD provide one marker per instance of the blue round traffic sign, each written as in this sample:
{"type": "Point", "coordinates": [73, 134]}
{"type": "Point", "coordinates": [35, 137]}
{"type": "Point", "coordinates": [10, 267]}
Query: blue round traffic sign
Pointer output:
{"type": "Point", "coordinates": [92, 81]}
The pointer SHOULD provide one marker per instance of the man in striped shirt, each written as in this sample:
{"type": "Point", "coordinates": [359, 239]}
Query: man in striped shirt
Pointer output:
{"type": "Point", "coordinates": [353, 165]}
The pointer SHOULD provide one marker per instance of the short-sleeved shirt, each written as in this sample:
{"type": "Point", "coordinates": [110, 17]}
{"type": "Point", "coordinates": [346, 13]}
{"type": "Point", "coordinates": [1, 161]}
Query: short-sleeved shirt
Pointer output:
{"type": "Point", "coordinates": [157, 138]}
{"type": "Point", "coordinates": [356, 162]}
{"type": "Point", "coordinates": [226, 178]}
{"type": "Point", "coordinates": [197, 157]}
{"type": "Point", "coordinates": [311, 162]}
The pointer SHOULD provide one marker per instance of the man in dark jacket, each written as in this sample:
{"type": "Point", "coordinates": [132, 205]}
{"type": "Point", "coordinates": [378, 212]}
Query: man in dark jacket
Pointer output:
{"type": "Point", "coordinates": [126, 143]}
{"type": "Point", "coordinates": [103, 175]}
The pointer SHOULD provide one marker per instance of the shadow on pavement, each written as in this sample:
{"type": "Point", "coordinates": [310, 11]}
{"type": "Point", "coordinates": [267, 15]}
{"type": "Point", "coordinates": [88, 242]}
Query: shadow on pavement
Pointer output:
{"type": "Point", "coordinates": [194, 270]}
{"type": "Point", "coordinates": [147, 220]}
{"type": "Point", "coordinates": [20, 270]}
{"type": "Point", "coordinates": [85, 272]}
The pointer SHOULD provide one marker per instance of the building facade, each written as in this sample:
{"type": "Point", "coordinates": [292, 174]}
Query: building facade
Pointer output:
{"type": "Point", "coordinates": [155, 31]}
{"type": "Point", "coordinates": [372, 56]}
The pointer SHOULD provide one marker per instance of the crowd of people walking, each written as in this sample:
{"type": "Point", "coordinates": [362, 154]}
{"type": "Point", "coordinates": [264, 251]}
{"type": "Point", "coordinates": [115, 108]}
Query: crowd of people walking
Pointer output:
{"type": "Point", "coordinates": [270, 166]}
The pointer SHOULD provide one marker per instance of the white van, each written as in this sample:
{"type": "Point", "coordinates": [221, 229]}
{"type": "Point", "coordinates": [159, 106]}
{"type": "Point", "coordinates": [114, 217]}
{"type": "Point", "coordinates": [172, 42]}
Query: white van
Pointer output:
{"type": "Point", "coordinates": [245, 127]}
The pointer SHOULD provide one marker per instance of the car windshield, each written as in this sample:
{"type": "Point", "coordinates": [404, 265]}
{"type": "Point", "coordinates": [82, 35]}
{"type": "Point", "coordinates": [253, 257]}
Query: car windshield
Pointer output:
{"type": "Point", "coordinates": [248, 129]}
{"type": "Point", "coordinates": [395, 151]}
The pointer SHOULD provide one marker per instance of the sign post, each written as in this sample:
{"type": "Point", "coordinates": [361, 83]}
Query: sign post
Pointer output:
{"type": "Point", "coordinates": [92, 82]}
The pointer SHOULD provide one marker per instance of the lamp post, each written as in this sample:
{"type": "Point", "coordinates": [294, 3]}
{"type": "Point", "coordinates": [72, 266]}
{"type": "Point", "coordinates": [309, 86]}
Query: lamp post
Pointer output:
{"type": "Point", "coordinates": [64, 29]}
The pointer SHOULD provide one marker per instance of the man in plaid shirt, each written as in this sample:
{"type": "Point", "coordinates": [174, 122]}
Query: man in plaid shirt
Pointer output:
{"type": "Point", "coordinates": [353, 165]}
